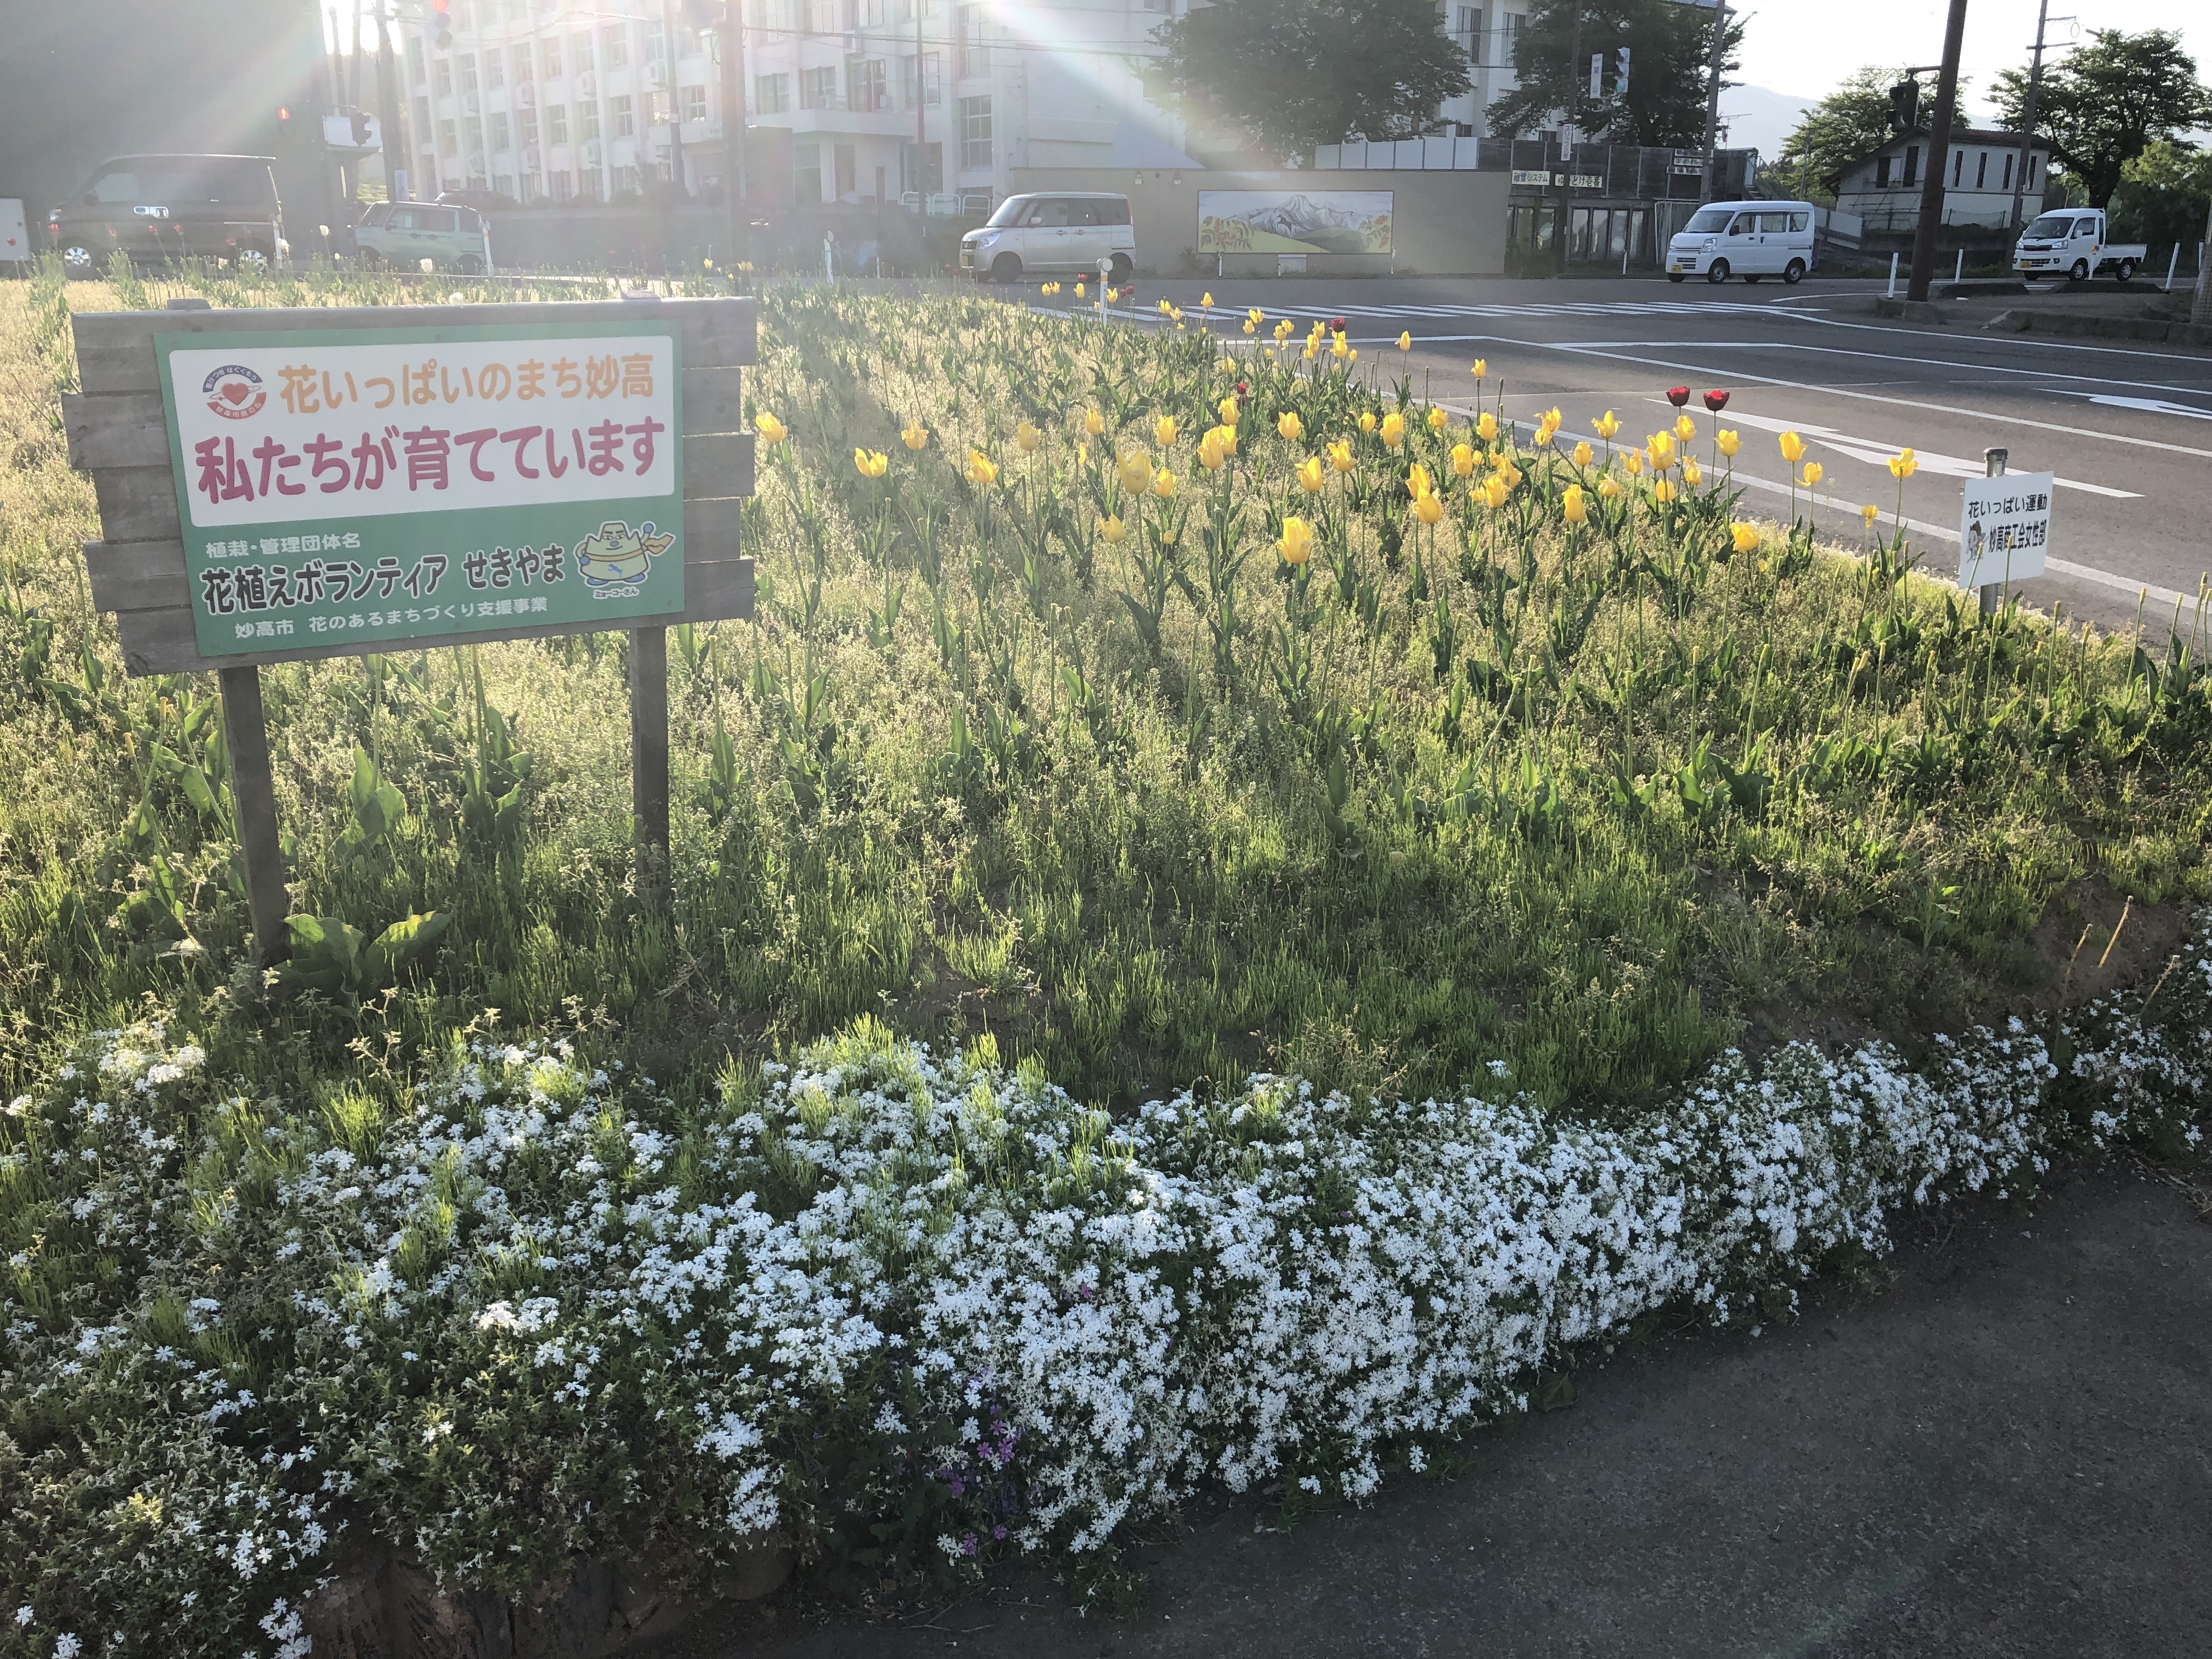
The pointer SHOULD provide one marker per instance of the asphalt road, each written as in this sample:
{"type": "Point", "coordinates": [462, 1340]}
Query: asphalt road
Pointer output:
{"type": "Point", "coordinates": [2126, 426]}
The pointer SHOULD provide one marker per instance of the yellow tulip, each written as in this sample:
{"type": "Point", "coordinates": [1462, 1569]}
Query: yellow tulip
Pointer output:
{"type": "Point", "coordinates": [980, 469]}
{"type": "Point", "coordinates": [1393, 428]}
{"type": "Point", "coordinates": [1812, 474]}
{"type": "Point", "coordinates": [1583, 453]}
{"type": "Point", "coordinates": [1609, 487]}
{"type": "Point", "coordinates": [1494, 492]}
{"type": "Point", "coordinates": [1367, 421]}
{"type": "Point", "coordinates": [1747, 537]}
{"type": "Point", "coordinates": [915, 434]}
{"type": "Point", "coordinates": [1662, 450]}
{"type": "Point", "coordinates": [1728, 442]}
{"type": "Point", "coordinates": [1211, 455]}
{"type": "Point", "coordinates": [1083, 455]}
{"type": "Point", "coordinates": [1438, 420]}
{"type": "Point", "coordinates": [1093, 422]}
{"type": "Point", "coordinates": [1485, 427]}
{"type": "Point", "coordinates": [1462, 461]}
{"type": "Point", "coordinates": [1295, 544]}
{"type": "Point", "coordinates": [1078, 291]}
{"type": "Point", "coordinates": [1163, 482]}
{"type": "Point", "coordinates": [1481, 369]}
{"type": "Point", "coordinates": [1510, 473]}
{"type": "Point", "coordinates": [1113, 529]}
{"type": "Point", "coordinates": [1340, 349]}
{"type": "Point", "coordinates": [1543, 438]}
{"type": "Point", "coordinates": [1607, 425]}
{"type": "Point", "coordinates": [1685, 428]}
{"type": "Point", "coordinates": [1255, 316]}
{"type": "Point", "coordinates": [1405, 341]}
{"type": "Point", "coordinates": [1427, 508]}
{"type": "Point", "coordinates": [1308, 475]}
{"type": "Point", "coordinates": [770, 430]}
{"type": "Point", "coordinates": [1113, 295]}
{"type": "Point", "coordinates": [1164, 432]}
{"type": "Point", "coordinates": [1869, 513]}
{"type": "Point", "coordinates": [1313, 350]}
{"type": "Point", "coordinates": [1227, 409]}
{"type": "Point", "coordinates": [1251, 327]}
{"type": "Point", "coordinates": [1692, 474]}
{"type": "Point", "coordinates": [1206, 300]}
{"type": "Point", "coordinates": [1416, 480]}
{"type": "Point", "coordinates": [1793, 448]}
{"type": "Point", "coordinates": [1904, 465]}
{"type": "Point", "coordinates": [871, 463]}
{"type": "Point", "coordinates": [1633, 461]}
{"type": "Point", "coordinates": [1340, 455]}
{"type": "Point", "coordinates": [1283, 330]}
{"type": "Point", "coordinates": [1289, 427]}
{"type": "Point", "coordinates": [1027, 438]}
{"type": "Point", "coordinates": [1577, 511]}
{"type": "Point", "coordinates": [1136, 471]}
{"type": "Point", "coordinates": [1664, 490]}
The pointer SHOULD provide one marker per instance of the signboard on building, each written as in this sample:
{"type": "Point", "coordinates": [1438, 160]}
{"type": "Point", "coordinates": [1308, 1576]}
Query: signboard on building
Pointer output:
{"type": "Point", "coordinates": [1533, 176]}
{"type": "Point", "coordinates": [1294, 222]}
{"type": "Point", "coordinates": [389, 487]}
{"type": "Point", "coordinates": [2004, 529]}
{"type": "Point", "coordinates": [1689, 160]}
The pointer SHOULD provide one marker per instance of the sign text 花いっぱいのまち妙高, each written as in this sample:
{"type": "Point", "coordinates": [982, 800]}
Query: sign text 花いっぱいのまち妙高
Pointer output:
{"type": "Point", "coordinates": [2004, 528]}
{"type": "Point", "coordinates": [402, 486]}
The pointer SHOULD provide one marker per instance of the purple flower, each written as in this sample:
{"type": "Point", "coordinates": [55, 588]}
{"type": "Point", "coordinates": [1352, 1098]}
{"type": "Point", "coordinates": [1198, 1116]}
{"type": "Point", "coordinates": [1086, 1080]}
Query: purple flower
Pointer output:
{"type": "Point", "coordinates": [998, 1532]}
{"type": "Point", "coordinates": [958, 1486]}
{"type": "Point", "coordinates": [968, 1544]}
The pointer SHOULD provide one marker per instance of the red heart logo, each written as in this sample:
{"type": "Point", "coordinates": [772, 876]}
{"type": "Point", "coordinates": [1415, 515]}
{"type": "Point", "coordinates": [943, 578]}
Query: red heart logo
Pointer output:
{"type": "Point", "coordinates": [237, 390]}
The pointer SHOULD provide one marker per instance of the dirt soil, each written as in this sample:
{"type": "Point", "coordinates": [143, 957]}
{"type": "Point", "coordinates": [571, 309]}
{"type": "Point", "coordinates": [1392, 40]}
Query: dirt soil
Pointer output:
{"type": "Point", "coordinates": [2001, 1452]}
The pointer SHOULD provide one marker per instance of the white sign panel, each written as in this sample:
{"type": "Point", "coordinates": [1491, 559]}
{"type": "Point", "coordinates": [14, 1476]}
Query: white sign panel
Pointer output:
{"type": "Point", "coordinates": [2004, 529]}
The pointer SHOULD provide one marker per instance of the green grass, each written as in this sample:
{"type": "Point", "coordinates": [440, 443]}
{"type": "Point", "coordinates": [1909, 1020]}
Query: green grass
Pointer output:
{"type": "Point", "coordinates": [1593, 803]}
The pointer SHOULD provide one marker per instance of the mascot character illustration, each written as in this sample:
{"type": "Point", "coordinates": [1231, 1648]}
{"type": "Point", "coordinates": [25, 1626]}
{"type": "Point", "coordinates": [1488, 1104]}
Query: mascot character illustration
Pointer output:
{"type": "Point", "coordinates": [618, 557]}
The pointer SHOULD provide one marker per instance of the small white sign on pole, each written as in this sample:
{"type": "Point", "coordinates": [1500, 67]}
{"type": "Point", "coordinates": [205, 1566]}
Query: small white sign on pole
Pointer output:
{"type": "Point", "coordinates": [2004, 529]}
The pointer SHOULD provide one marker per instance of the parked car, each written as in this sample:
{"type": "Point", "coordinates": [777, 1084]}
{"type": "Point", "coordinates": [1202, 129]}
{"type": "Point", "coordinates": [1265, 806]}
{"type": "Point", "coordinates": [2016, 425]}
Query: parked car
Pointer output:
{"type": "Point", "coordinates": [1067, 231]}
{"type": "Point", "coordinates": [484, 201]}
{"type": "Point", "coordinates": [2071, 243]}
{"type": "Point", "coordinates": [158, 208]}
{"type": "Point", "coordinates": [1750, 240]}
{"type": "Point", "coordinates": [404, 233]}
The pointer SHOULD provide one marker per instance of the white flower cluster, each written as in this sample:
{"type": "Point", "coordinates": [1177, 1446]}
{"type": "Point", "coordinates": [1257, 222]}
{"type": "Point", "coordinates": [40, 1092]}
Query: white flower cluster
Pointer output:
{"type": "Point", "coordinates": [887, 1283]}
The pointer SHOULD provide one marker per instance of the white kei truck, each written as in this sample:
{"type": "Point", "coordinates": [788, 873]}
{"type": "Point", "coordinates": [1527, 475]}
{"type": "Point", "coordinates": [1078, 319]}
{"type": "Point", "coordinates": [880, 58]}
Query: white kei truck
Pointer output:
{"type": "Point", "coordinates": [2069, 242]}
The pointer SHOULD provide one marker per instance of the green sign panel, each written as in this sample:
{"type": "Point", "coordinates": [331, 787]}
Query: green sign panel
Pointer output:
{"type": "Point", "coordinates": [397, 486]}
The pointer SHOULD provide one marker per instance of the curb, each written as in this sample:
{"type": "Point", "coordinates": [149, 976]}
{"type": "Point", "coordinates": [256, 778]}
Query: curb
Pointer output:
{"type": "Point", "coordinates": [2020, 321]}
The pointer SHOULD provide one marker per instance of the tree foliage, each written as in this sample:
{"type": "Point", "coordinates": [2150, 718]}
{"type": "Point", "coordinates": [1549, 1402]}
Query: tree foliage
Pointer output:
{"type": "Point", "coordinates": [2163, 197]}
{"type": "Point", "coordinates": [1852, 121]}
{"type": "Point", "coordinates": [1284, 76]}
{"type": "Point", "coordinates": [2110, 101]}
{"type": "Point", "coordinates": [1671, 54]}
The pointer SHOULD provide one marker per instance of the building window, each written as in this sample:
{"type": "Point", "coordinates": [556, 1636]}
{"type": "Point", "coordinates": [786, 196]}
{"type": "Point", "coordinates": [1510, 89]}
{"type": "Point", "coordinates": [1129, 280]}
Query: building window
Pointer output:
{"type": "Point", "coordinates": [2008, 182]}
{"type": "Point", "coordinates": [1881, 173]}
{"type": "Point", "coordinates": [522, 66]}
{"type": "Point", "coordinates": [472, 130]}
{"type": "Point", "coordinates": [550, 56]}
{"type": "Point", "coordinates": [695, 103]}
{"type": "Point", "coordinates": [806, 172]}
{"type": "Point", "coordinates": [526, 121]}
{"type": "Point", "coordinates": [1470, 31]}
{"type": "Point", "coordinates": [632, 181]}
{"type": "Point", "coordinates": [1981, 171]}
{"type": "Point", "coordinates": [557, 123]}
{"type": "Point", "coordinates": [414, 69]}
{"type": "Point", "coordinates": [817, 89]}
{"type": "Point", "coordinates": [922, 171]}
{"type": "Point", "coordinates": [449, 140]}
{"type": "Point", "coordinates": [624, 117]}
{"type": "Point", "coordinates": [615, 39]}
{"type": "Point", "coordinates": [848, 178]}
{"type": "Point", "coordinates": [423, 116]}
{"type": "Point", "coordinates": [494, 62]}
{"type": "Point", "coordinates": [968, 55]}
{"type": "Point", "coordinates": [441, 78]}
{"type": "Point", "coordinates": [771, 94]}
{"type": "Point", "coordinates": [868, 83]}
{"type": "Point", "coordinates": [561, 188]}
{"type": "Point", "coordinates": [428, 177]}
{"type": "Point", "coordinates": [656, 42]}
{"type": "Point", "coordinates": [468, 71]}
{"type": "Point", "coordinates": [1958, 167]}
{"type": "Point", "coordinates": [580, 52]}
{"type": "Point", "coordinates": [932, 88]}
{"type": "Point", "coordinates": [503, 185]}
{"type": "Point", "coordinates": [975, 132]}
{"type": "Point", "coordinates": [1912, 165]}
{"type": "Point", "coordinates": [587, 120]}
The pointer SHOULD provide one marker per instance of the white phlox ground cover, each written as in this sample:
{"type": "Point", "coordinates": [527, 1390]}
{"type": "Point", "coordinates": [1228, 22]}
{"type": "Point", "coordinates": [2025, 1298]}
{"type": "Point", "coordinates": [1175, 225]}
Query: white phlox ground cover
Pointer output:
{"type": "Point", "coordinates": [907, 1307]}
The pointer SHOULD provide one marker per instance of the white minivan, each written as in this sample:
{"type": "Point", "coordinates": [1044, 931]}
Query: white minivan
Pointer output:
{"type": "Point", "coordinates": [1750, 240]}
{"type": "Point", "coordinates": [1065, 231]}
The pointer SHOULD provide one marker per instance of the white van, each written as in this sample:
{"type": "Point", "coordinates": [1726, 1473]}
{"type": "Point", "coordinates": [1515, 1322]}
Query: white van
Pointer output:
{"type": "Point", "coordinates": [1065, 232]}
{"type": "Point", "coordinates": [1750, 240]}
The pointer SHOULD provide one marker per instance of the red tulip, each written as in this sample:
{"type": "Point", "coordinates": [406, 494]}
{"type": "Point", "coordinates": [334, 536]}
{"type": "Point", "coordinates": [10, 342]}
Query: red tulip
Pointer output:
{"type": "Point", "coordinates": [1717, 401]}
{"type": "Point", "coordinates": [1678, 395]}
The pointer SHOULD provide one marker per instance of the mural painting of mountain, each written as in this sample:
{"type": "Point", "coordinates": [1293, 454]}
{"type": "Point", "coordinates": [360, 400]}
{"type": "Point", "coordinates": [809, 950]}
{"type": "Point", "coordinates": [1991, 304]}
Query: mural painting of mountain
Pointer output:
{"type": "Point", "coordinates": [1294, 222]}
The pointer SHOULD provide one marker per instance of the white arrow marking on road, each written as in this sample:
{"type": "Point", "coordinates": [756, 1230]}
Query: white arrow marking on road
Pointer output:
{"type": "Point", "coordinates": [2149, 405]}
{"type": "Point", "coordinates": [1878, 454]}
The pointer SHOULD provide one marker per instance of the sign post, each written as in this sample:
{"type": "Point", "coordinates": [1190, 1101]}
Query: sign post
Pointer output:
{"type": "Point", "coordinates": [2004, 529]}
{"type": "Point", "coordinates": [280, 485]}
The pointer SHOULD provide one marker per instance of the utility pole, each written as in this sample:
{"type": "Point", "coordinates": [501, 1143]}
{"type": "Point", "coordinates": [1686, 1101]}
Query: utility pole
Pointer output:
{"type": "Point", "coordinates": [387, 112]}
{"type": "Point", "coordinates": [920, 116]}
{"type": "Point", "coordinates": [1567, 133]}
{"type": "Point", "coordinates": [669, 59]}
{"type": "Point", "coordinates": [734, 192]}
{"type": "Point", "coordinates": [1939, 154]}
{"type": "Point", "coordinates": [2027, 114]}
{"type": "Point", "coordinates": [1710, 187]}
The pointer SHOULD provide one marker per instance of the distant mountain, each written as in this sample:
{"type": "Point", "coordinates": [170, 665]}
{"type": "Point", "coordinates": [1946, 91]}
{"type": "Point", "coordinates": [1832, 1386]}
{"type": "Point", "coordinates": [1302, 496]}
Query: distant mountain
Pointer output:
{"type": "Point", "coordinates": [1759, 119]}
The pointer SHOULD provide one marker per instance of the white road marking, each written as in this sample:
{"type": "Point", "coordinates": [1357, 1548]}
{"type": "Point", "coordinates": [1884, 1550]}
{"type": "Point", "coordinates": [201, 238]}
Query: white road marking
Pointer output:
{"type": "Point", "coordinates": [1876, 453]}
{"type": "Point", "coordinates": [2151, 405]}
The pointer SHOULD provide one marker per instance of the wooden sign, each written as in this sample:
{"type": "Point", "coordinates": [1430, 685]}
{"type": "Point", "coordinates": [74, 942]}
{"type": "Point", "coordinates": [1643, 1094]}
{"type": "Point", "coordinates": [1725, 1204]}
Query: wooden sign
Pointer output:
{"type": "Point", "coordinates": [282, 484]}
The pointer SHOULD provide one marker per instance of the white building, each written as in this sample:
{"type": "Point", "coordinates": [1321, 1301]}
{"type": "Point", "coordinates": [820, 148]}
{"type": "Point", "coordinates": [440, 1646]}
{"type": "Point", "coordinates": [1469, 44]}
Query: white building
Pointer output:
{"type": "Point", "coordinates": [561, 99]}
{"type": "Point", "coordinates": [1883, 187]}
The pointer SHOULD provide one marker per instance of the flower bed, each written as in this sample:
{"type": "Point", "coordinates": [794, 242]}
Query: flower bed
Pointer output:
{"type": "Point", "coordinates": [906, 1310]}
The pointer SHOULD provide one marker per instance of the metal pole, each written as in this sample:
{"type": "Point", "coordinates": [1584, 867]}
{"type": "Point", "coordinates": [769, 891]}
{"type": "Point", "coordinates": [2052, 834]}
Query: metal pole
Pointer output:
{"type": "Point", "coordinates": [1567, 128]}
{"type": "Point", "coordinates": [2200, 308]}
{"type": "Point", "coordinates": [1939, 154]}
{"type": "Point", "coordinates": [1891, 292]}
{"type": "Point", "coordinates": [669, 60]}
{"type": "Point", "coordinates": [1959, 268]}
{"type": "Point", "coordinates": [1992, 593]}
{"type": "Point", "coordinates": [393, 135]}
{"type": "Point", "coordinates": [920, 130]}
{"type": "Point", "coordinates": [1710, 187]}
{"type": "Point", "coordinates": [734, 192]}
{"type": "Point", "coordinates": [2027, 114]}
{"type": "Point", "coordinates": [2172, 259]}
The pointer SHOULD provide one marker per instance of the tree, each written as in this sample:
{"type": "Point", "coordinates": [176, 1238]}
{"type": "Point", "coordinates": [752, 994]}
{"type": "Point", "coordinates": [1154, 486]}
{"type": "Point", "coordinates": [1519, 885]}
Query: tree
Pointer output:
{"type": "Point", "coordinates": [1852, 121]}
{"type": "Point", "coordinates": [1670, 47]}
{"type": "Point", "coordinates": [2163, 197]}
{"type": "Point", "coordinates": [2109, 102]}
{"type": "Point", "coordinates": [1287, 74]}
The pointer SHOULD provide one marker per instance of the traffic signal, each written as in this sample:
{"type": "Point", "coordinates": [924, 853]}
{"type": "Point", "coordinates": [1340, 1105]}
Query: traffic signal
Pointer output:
{"type": "Point", "coordinates": [441, 23]}
{"type": "Point", "coordinates": [1904, 105]}
{"type": "Point", "coordinates": [1621, 72]}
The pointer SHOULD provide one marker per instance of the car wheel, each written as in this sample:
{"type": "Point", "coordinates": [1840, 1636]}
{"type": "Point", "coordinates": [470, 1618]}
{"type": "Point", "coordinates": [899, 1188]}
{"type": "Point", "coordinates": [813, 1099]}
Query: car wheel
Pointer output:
{"type": "Point", "coordinates": [370, 258]}
{"type": "Point", "coordinates": [2079, 273]}
{"type": "Point", "coordinates": [1007, 268]}
{"type": "Point", "coordinates": [1794, 273]}
{"type": "Point", "coordinates": [2127, 269]}
{"type": "Point", "coordinates": [77, 261]}
{"type": "Point", "coordinates": [469, 266]}
{"type": "Point", "coordinates": [1122, 268]}
{"type": "Point", "coordinates": [1676, 277]}
{"type": "Point", "coordinates": [1717, 272]}
{"type": "Point", "coordinates": [253, 259]}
